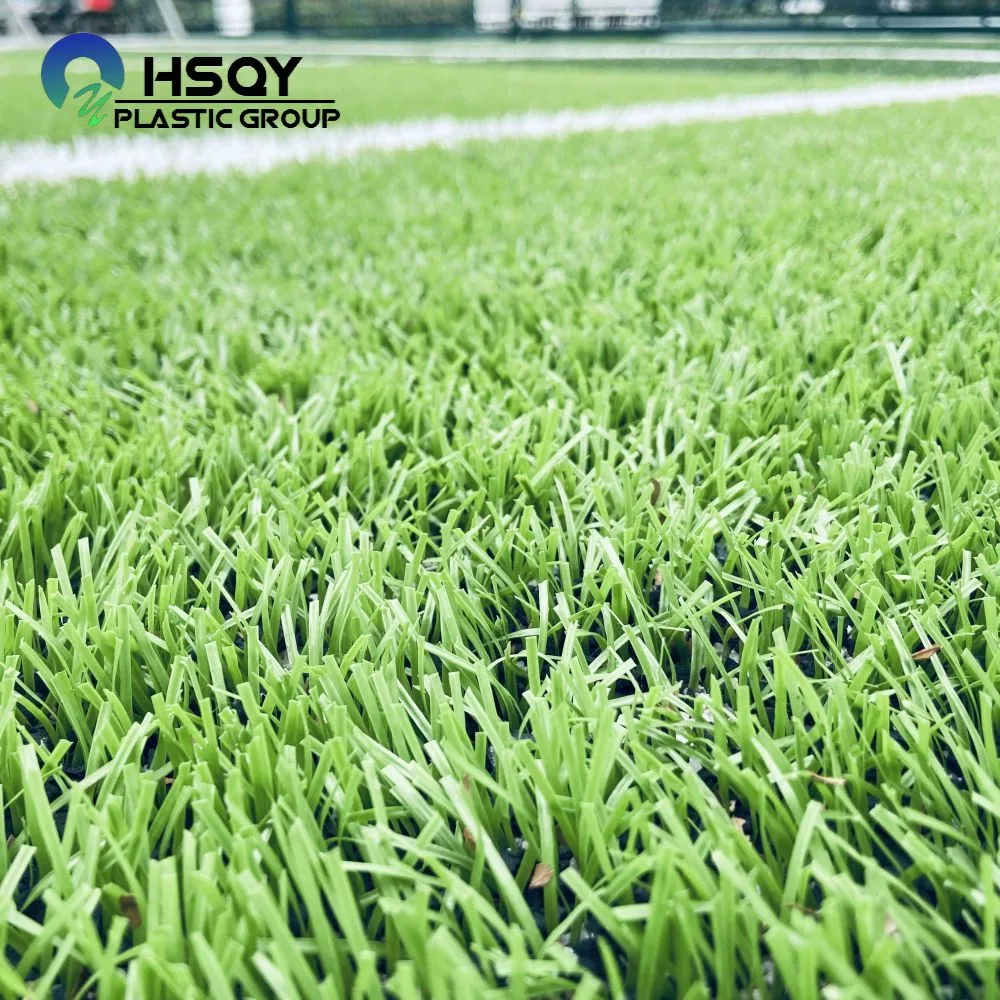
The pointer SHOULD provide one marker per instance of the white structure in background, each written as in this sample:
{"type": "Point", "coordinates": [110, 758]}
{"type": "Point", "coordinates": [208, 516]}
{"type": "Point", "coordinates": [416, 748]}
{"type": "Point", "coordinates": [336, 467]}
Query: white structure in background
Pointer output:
{"type": "Point", "coordinates": [561, 15]}
{"type": "Point", "coordinates": [171, 19]}
{"type": "Point", "coordinates": [16, 14]}
{"type": "Point", "coordinates": [807, 8]}
{"type": "Point", "coordinates": [233, 18]}
{"type": "Point", "coordinates": [602, 14]}
{"type": "Point", "coordinates": [493, 15]}
{"type": "Point", "coordinates": [556, 15]}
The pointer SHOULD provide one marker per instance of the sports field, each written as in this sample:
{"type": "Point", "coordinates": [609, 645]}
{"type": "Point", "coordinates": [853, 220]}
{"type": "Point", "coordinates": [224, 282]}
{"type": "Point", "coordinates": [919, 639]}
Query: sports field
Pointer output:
{"type": "Point", "coordinates": [552, 567]}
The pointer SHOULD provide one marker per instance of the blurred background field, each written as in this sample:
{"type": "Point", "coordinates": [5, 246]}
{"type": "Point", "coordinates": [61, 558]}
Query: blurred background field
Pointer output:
{"type": "Point", "coordinates": [368, 90]}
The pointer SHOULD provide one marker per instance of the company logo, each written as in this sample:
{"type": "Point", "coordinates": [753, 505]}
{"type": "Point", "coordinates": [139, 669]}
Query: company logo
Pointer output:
{"type": "Point", "coordinates": [83, 45]}
{"type": "Point", "coordinates": [187, 93]}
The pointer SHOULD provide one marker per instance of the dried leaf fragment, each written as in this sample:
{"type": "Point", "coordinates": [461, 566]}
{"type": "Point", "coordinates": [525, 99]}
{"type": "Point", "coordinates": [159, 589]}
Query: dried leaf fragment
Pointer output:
{"type": "Point", "coordinates": [542, 875]}
{"type": "Point", "coordinates": [808, 911]}
{"type": "Point", "coordinates": [469, 837]}
{"type": "Point", "coordinates": [825, 779]}
{"type": "Point", "coordinates": [130, 910]}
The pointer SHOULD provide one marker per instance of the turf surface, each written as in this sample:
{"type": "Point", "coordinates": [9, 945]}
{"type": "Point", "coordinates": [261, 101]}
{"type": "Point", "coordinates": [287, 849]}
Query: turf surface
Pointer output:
{"type": "Point", "coordinates": [555, 582]}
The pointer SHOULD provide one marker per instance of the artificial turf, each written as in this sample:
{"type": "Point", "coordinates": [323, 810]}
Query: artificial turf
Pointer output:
{"type": "Point", "coordinates": [567, 568]}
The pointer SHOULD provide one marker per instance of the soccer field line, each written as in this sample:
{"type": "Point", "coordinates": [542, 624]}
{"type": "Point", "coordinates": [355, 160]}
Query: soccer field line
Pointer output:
{"type": "Point", "coordinates": [666, 51]}
{"type": "Point", "coordinates": [729, 53]}
{"type": "Point", "coordinates": [131, 157]}
{"type": "Point", "coordinates": [669, 48]}
{"type": "Point", "coordinates": [693, 51]}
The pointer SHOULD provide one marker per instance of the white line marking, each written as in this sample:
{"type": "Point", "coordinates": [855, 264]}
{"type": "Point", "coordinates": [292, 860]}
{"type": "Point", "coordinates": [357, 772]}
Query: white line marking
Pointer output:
{"type": "Point", "coordinates": [486, 49]}
{"type": "Point", "coordinates": [665, 52]}
{"type": "Point", "coordinates": [129, 157]}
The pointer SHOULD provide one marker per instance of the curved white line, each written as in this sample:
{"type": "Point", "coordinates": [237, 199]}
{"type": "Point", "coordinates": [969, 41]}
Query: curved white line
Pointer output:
{"type": "Point", "coordinates": [129, 157]}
